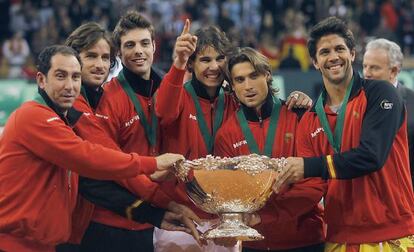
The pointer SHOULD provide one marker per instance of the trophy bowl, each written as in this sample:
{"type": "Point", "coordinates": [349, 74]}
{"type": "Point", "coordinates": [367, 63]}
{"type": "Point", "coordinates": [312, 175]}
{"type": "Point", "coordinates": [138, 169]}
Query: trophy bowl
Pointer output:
{"type": "Point", "coordinates": [230, 187]}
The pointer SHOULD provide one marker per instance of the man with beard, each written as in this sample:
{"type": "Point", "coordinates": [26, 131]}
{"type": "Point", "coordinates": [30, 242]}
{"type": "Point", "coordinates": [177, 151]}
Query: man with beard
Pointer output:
{"type": "Point", "coordinates": [192, 118]}
{"type": "Point", "coordinates": [125, 111]}
{"type": "Point", "coordinates": [94, 46]}
{"type": "Point", "coordinates": [41, 153]}
{"type": "Point", "coordinates": [293, 220]}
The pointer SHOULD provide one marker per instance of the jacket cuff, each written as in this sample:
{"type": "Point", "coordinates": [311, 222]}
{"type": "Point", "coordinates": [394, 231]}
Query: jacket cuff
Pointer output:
{"type": "Point", "coordinates": [315, 167]}
{"type": "Point", "coordinates": [147, 213]}
{"type": "Point", "coordinates": [148, 165]}
{"type": "Point", "coordinates": [175, 76]}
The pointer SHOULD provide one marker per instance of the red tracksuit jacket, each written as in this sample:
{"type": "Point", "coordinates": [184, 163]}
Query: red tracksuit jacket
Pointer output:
{"type": "Point", "coordinates": [181, 133]}
{"type": "Point", "coordinates": [118, 117]}
{"type": "Point", "coordinates": [37, 187]}
{"type": "Point", "coordinates": [293, 218]}
{"type": "Point", "coordinates": [370, 196]}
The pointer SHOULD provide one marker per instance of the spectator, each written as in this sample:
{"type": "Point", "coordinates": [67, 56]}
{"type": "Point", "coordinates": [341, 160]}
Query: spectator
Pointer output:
{"type": "Point", "coordinates": [16, 51]}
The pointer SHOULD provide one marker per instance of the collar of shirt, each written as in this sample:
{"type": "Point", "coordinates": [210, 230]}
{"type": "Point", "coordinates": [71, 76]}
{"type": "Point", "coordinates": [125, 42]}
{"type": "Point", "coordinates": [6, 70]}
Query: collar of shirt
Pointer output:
{"type": "Point", "coordinates": [265, 111]}
{"type": "Point", "coordinates": [140, 86]}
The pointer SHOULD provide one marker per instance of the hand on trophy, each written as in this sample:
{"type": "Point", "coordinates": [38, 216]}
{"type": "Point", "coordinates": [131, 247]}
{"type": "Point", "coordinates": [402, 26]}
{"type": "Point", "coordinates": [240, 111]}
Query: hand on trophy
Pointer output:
{"type": "Point", "coordinates": [165, 163]}
{"type": "Point", "coordinates": [185, 45]}
{"type": "Point", "coordinates": [179, 222]}
{"type": "Point", "coordinates": [292, 172]}
{"type": "Point", "coordinates": [186, 219]}
{"type": "Point", "coordinates": [298, 100]}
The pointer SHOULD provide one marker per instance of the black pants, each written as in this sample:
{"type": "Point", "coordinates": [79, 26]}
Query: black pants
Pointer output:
{"type": "Point", "coordinates": [103, 238]}
{"type": "Point", "coordinates": [312, 248]}
{"type": "Point", "coordinates": [67, 247]}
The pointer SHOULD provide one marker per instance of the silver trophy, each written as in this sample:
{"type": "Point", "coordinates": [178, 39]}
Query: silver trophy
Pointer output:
{"type": "Point", "coordinates": [230, 187]}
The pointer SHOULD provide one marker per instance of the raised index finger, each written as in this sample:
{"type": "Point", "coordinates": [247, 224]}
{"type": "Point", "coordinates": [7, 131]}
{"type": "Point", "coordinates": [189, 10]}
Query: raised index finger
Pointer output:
{"type": "Point", "coordinates": [186, 28]}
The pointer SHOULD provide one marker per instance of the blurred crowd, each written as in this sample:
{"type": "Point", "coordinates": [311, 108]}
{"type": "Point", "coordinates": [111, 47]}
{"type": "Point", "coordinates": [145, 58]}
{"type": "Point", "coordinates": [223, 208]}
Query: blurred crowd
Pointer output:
{"type": "Point", "coordinates": [278, 28]}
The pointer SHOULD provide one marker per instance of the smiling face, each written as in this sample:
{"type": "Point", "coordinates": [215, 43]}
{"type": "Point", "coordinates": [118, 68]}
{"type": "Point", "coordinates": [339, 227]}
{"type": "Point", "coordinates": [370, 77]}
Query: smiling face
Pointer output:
{"type": "Point", "coordinates": [334, 59]}
{"type": "Point", "coordinates": [137, 51]}
{"type": "Point", "coordinates": [62, 82]}
{"type": "Point", "coordinates": [96, 63]}
{"type": "Point", "coordinates": [208, 67]}
{"type": "Point", "coordinates": [249, 85]}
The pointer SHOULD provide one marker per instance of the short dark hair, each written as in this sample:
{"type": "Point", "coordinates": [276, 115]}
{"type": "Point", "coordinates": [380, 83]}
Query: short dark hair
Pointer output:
{"type": "Point", "coordinates": [87, 35]}
{"type": "Point", "coordinates": [328, 26]}
{"type": "Point", "coordinates": [259, 62]}
{"type": "Point", "coordinates": [131, 20]}
{"type": "Point", "coordinates": [214, 37]}
{"type": "Point", "coordinates": [45, 56]}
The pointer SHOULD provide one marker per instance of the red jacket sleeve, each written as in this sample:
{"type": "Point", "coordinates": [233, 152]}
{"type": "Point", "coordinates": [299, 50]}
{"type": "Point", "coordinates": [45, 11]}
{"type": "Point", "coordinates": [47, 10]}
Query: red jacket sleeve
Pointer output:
{"type": "Point", "coordinates": [49, 138]}
{"type": "Point", "coordinates": [169, 101]}
{"type": "Point", "coordinates": [89, 129]}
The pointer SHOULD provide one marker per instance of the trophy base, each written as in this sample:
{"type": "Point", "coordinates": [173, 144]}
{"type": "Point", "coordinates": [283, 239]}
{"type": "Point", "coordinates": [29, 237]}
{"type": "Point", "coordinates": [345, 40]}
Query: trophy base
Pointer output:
{"type": "Point", "coordinates": [232, 226]}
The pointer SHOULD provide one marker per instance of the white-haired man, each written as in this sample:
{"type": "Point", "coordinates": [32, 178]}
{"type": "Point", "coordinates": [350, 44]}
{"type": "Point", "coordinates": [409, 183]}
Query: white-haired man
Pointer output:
{"type": "Point", "coordinates": [383, 61]}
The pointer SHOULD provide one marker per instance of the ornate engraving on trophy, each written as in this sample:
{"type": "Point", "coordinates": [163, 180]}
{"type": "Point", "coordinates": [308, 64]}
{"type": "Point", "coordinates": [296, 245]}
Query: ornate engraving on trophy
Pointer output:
{"type": "Point", "coordinates": [230, 187]}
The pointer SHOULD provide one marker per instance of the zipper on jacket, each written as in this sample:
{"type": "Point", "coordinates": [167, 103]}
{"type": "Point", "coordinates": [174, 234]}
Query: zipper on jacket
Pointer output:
{"type": "Point", "coordinates": [150, 102]}
{"type": "Point", "coordinates": [211, 117]}
{"type": "Point", "coordinates": [69, 183]}
{"type": "Point", "coordinates": [260, 121]}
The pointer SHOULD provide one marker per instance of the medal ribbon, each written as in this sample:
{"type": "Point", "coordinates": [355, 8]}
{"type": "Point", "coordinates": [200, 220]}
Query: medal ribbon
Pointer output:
{"type": "Point", "coordinates": [270, 136]}
{"type": "Point", "coordinates": [336, 138]}
{"type": "Point", "coordinates": [150, 130]}
{"type": "Point", "coordinates": [218, 116]}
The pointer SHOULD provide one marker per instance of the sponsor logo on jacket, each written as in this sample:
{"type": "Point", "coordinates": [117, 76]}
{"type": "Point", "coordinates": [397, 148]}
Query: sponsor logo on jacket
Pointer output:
{"type": "Point", "coordinates": [239, 144]}
{"type": "Point", "coordinates": [101, 116]}
{"type": "Point", "coordinates": [132, 120]}
{"type": "Point", "coordinates": [288, 137]}
{"type": "Point", "coordinates": [316, 132]}
{"type": "Point", "coordinates": [387, 105]}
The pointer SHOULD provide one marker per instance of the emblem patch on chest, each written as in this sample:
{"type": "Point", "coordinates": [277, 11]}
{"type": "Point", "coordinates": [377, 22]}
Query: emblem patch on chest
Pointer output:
{"type": "Point", "coordinates": [192, 117]}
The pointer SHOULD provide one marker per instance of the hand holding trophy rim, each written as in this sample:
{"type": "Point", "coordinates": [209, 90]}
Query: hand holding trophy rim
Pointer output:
{"type": "Point", "coordinates": [230, 187]}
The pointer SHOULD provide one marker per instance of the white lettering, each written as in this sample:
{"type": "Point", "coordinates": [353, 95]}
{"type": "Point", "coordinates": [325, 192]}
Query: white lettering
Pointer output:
{"type": "Point", "coordinates": [102, 116]}
{"type": "Point", "coordinates": [131, 121]}
{"type": "Point", "coordinates": [316, 132]}
{"type": "Point", "coordinates": [238, 144]}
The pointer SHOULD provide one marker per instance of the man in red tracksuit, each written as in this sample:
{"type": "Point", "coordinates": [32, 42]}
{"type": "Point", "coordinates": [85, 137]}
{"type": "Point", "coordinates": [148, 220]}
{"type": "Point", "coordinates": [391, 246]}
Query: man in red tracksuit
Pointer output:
{"type": "Point", "coordinates": [93, 44]}
{"type": "Point", "coordinates": [191, 120]}
{"type": "Point", "coordinates": [126, 113]}
{"type": "Point", "coordinates": [356, 138]}
{"type": "Point", "coordinates": [38, 155]}
{"type": "Point", "coordinates": [291, 220]}
{"type": "Point", "coordinates": [191, 114]}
